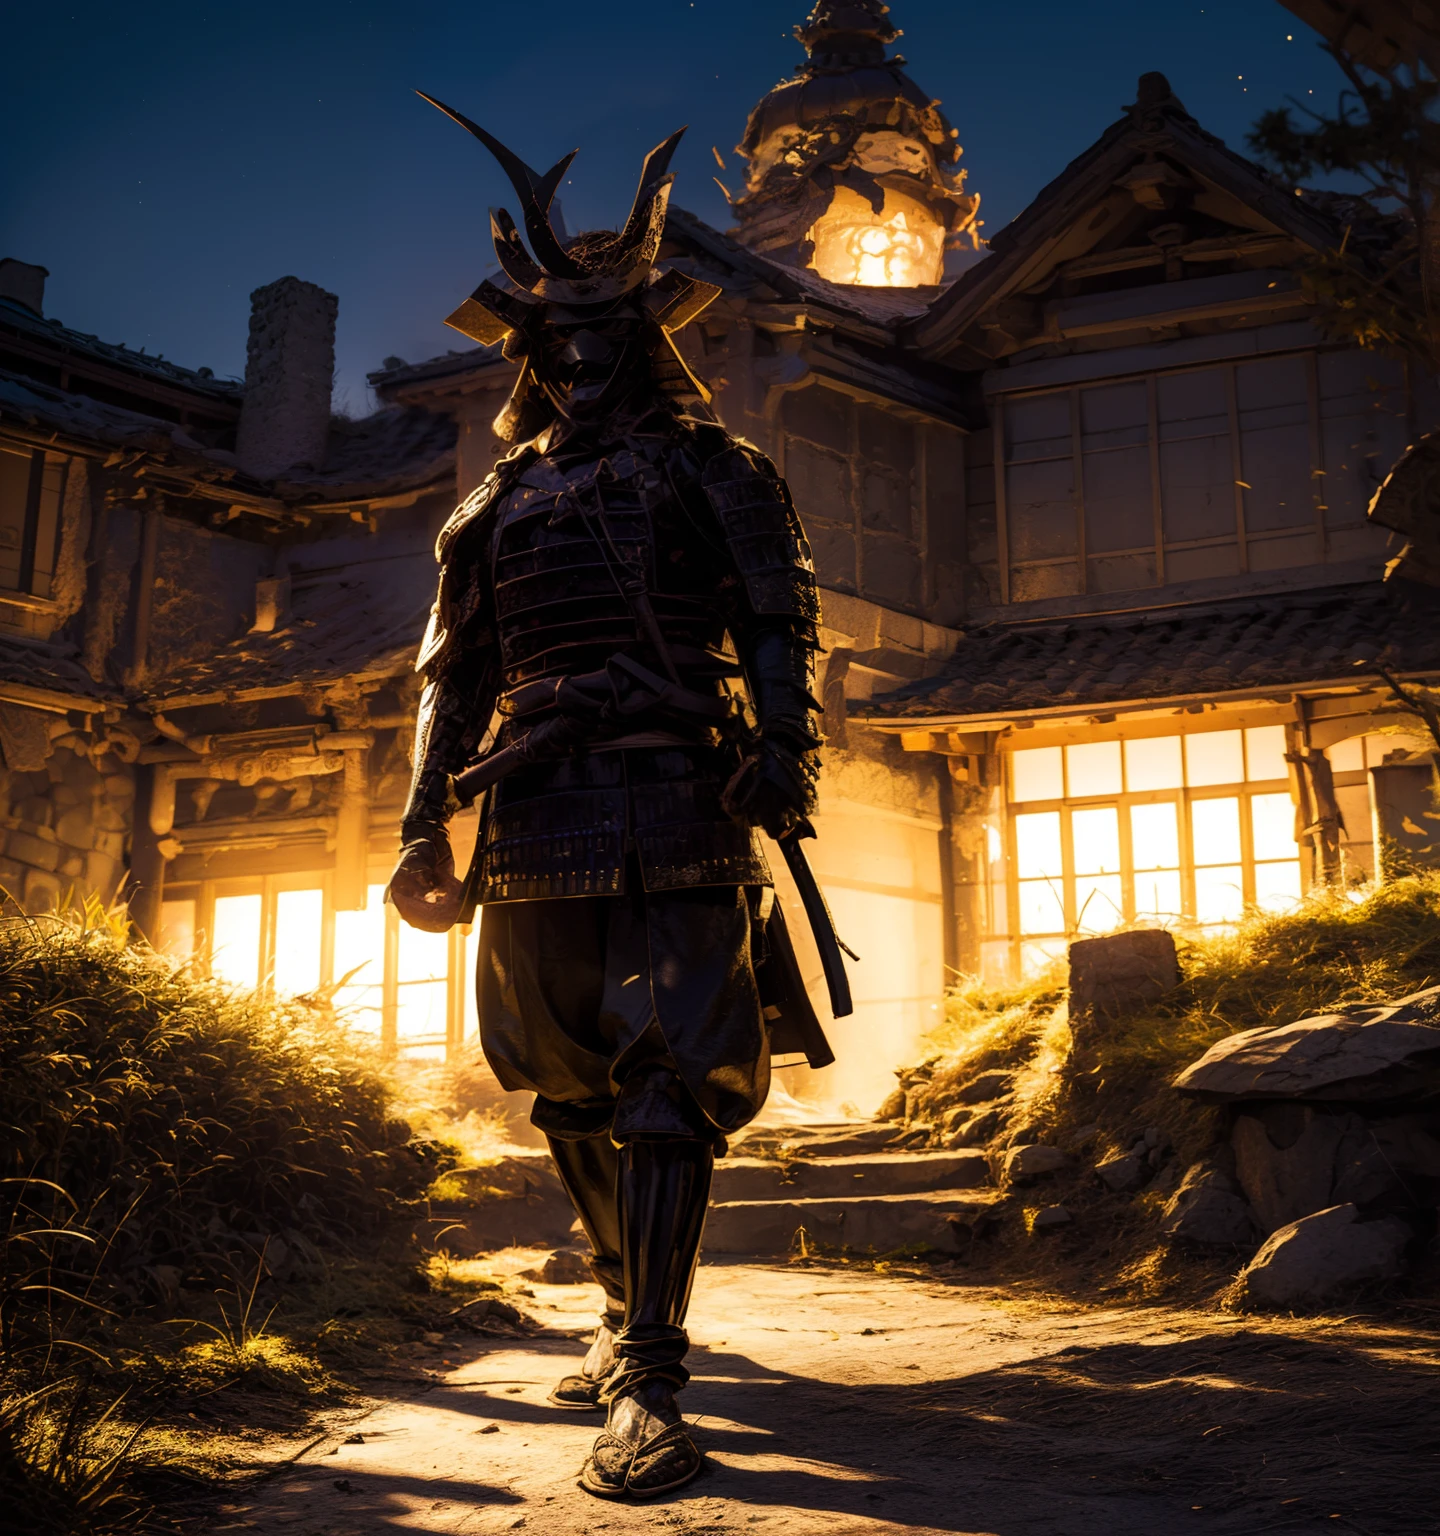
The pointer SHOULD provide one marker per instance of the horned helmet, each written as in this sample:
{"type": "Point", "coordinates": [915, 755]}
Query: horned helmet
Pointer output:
{"type": "Point", "coordinates": [586, 318]}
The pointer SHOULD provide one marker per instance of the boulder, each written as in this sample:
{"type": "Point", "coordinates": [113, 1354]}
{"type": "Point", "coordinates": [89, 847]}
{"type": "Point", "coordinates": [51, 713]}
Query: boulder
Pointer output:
{"type": "Point", "coordinates": [1120, 973]}
{"type": "Point", "coordinates": [1322, 1255]}
{"type": "Point", "coordinates": [1124, 1173]}
{"type": "Point", "coordinates": [984, 1089]}
{"type": "Point", "coordinates": [1366, 1055]}
{"type": "Point", "coordinates": [977, 1128]}
{"type": "Point", "coordinates": [1049, 1218]}
{"type": "Point", "coordinates": [1023, 1165]}
{"type": "Point", "coordinates": [566, 1266]}
{"type": "Point", "coordinates": [1206, 1209]}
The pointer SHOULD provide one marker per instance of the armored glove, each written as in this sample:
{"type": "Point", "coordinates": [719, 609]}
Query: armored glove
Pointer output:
{"type": "Point", "coordinates": [774, 786]}
{"type": "Point", "coordinates": [424, 888]}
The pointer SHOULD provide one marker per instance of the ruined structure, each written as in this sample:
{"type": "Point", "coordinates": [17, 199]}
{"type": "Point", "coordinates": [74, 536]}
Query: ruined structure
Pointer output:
{"type": "Point", "coordinates": [1108, 633]}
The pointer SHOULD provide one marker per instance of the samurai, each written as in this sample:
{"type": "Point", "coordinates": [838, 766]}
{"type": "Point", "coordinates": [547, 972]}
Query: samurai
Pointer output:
{"type": "Point", "coordinates": [619, 667]}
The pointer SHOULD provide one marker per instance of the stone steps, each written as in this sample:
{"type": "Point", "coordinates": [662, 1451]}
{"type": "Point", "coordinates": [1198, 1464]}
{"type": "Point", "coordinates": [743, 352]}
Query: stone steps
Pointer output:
{"type": "Point", "coordinates": [838, 1183]}
{"type": "Point", "coordinates": [941, 1219]}
{"type": "Point", "coordinates": [876, 1173]}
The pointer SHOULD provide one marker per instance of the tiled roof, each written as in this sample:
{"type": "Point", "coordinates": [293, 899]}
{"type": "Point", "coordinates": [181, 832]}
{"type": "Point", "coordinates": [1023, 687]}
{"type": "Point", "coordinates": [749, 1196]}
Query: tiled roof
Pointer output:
{"type": "Point", "coordinates": [383, 455]}
{"type": "Point", "coordinates": [69, 413]}
{"type": "Point", "coordinates": [386, 454]}
{"type": "Point", "coordinates": [339, 627]}
{"type": "Point", "coordinates": [18, 318]}
{"type": "Point", "coordinates": [51, 669]}
{"type": "Point", "coordinates": [1278, 641]}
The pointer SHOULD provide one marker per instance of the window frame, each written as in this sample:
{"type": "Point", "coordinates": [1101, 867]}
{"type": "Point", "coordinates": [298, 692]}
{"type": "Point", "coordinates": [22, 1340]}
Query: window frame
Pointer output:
{"type": "Point", "coordinates": [41, 461]}
{"type": "Point", "coordinates": [460, 951]}
{"type": "Point", "coordinates": [1183, 798]}
{"type": "Point", "coordinates": [1246, 541]}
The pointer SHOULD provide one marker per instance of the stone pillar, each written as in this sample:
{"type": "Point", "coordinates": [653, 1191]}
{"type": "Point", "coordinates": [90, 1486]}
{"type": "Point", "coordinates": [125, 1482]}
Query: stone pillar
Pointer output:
{"type": "Point", "coordinates": [289, 376]}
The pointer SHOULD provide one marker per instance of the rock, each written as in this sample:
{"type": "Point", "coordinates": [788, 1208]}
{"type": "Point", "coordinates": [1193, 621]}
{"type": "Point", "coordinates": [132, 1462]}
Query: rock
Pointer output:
{"type": "Point", "coordinates": [1124, 1173]}
{"type": "Point", "coordinates": [916, 1137]}
{"type": "Point", "coordinates": [894, 1107]}
{"type": "Point", "coordinates": [985, 1088]}
{"type": "Point", "coordinates": [1321, 1255]}
{"type": "Point", "coordinates": [1364, 1055]}
{"type": "Point", "coordinates": [566, 1266]}
{"type": "Point", "coordinates": [978, 1128]}
{"type": "Point", "coordinates": [1294, 1159]}
{"type": "Point", "coordinates": [1086, 1133]}
{"type": "Point", "coordinates": [1156, 1139]}
{"type": "Point", "coordinates": [1119, 973]}
{"type": "Point", "coordinates": [1285, 1160]}
{"type": "Point", "coordinates": [1048, 1218]}
{"type": "Point", "coordinates": [1206, 1209]}
{"type": "Point", "coordinates": [1025, 1164]}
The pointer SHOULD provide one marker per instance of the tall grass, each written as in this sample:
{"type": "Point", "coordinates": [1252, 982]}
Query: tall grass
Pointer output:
{"type": "Point", "coordinates": [1273, 968]}
{"type": "Point", "coordinates": [161, 1137]}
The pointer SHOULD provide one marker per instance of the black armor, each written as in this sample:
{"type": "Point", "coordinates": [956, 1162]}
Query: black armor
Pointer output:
{"type": "Point", "coordinates": [621, 657]}
{"type": "Point", "coordinates": [533, 568]}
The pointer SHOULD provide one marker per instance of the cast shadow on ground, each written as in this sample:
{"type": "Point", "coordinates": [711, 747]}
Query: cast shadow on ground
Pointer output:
{"type": "Point", "coordinates": [1262, 1430]}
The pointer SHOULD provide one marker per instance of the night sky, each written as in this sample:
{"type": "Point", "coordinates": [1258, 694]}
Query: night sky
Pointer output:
{"type": "Point", "coordinates": [162, 160]}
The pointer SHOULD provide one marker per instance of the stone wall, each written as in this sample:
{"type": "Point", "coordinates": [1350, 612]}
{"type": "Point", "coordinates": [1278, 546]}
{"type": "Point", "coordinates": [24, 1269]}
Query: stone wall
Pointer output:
{"type": "Point", "coordinates": [64, 811]}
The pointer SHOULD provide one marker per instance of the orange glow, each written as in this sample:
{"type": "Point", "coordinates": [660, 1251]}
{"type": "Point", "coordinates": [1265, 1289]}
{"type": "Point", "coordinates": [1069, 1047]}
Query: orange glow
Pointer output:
{"type": "Point", "coordinates": [902, 246]}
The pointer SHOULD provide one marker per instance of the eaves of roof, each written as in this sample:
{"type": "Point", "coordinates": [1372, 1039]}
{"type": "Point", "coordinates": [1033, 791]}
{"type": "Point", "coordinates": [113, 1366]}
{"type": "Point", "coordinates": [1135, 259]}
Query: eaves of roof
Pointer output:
{"type": "Point", "coordinates": [1245, 647]}
{"type": "Point", "coordinates": [391, 453]}
{"type": "Point", "coordinates": [1015, 249]}
{"type": "Point", "coordinates": [62, 343]}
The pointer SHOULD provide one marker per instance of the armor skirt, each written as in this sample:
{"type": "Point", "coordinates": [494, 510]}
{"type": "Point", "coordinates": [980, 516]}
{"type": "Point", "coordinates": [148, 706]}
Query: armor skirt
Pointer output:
{"type": "Point", "coordinates": [593, 1002]}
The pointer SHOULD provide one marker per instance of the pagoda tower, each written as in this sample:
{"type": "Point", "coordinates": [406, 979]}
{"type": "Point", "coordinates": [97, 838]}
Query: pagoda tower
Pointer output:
{"type": "Point", "coordinates": [851, 169]}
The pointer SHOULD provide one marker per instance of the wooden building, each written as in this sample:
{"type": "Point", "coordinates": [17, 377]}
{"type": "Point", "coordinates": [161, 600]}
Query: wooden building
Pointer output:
{"type": "Point", "coordinates": [1107, 634]}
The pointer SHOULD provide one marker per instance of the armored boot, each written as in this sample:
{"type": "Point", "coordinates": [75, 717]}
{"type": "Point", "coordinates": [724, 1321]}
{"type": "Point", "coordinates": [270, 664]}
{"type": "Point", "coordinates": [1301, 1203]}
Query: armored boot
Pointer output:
{"type": "Point", "coordinates": [589, 1169]}
{"type": "Point", "coordinates": [645, 1449]}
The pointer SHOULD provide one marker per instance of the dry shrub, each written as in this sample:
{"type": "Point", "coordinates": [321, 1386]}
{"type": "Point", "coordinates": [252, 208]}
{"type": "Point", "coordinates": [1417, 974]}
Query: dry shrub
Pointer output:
{"type": "Point", "coordinates": [1329, 952]}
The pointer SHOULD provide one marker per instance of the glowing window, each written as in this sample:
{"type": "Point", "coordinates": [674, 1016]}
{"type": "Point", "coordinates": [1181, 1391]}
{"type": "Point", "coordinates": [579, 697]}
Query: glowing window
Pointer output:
{"type": "Point", "coordinates": [1038, 773]}
{"type": "Point", "coordinates": [299, 928]}
{"type": "Point", "coordinates": [360, 962]}
{"type": "Point", "coordinates": [422, 984]}
{"type": "Point", "coordinates": [1265, 752]}
{"type": "Point", "coordinates": [1037, 954]}
{"type": "Point", "coordinates": [1157, 894]}
{"type": "Point", "coordinates": [1219, 894]}
{"type": "Point", "coordinates": [1155, 836]}
{"type": "Point", "coordinates": [1215, 831]}
{"type": "Point", "coordinates": [177, 929]}
{"type": "Point", "coordinates": [1277, 886]}
{"type": "Point", "coordinates": [1094, 769]}
{"type": "Point", "coordinates": [1037, 846]}
{"type": "Point", "coordinates": [1153, 763]}
{"type": "Point", "coordinates": [1272, 824]}
{"type": "Point", "coordinates": [1214, 757]}
{"type": "Point", "coordinates": [1096, 835]}
{"type": "Point", "coordinates": [235, 939]}
{"type": "Point", "coordinates": [1040, 864]}
{"type": "Point", "coordinates": [901, 246]}
{"type": "Point", "coordinates": [1042, 906]}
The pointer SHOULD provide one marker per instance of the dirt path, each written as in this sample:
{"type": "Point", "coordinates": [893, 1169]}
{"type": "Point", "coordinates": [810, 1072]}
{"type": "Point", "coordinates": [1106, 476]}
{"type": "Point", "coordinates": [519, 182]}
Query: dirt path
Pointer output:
{"type": "Point", "coordinates": [831, 1401]}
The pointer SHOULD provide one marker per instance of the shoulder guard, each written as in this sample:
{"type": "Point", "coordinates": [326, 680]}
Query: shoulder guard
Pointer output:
{"type": "Point", "coordinates": [753, 507]}
{"type": "Point", "coordinates": [483, 497]}
{"type": "Point", "coordinates": [445, 614]}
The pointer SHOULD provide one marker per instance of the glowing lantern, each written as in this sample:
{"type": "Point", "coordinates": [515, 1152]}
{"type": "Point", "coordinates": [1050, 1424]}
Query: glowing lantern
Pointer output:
{"type": "Point", "coordinates": [901, 246]}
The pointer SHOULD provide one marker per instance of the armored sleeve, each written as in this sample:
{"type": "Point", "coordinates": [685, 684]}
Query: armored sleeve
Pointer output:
{"type": "Point", "coordinates": [460, 665]}
{"type": "Point", "coordinates": [759, 523]}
